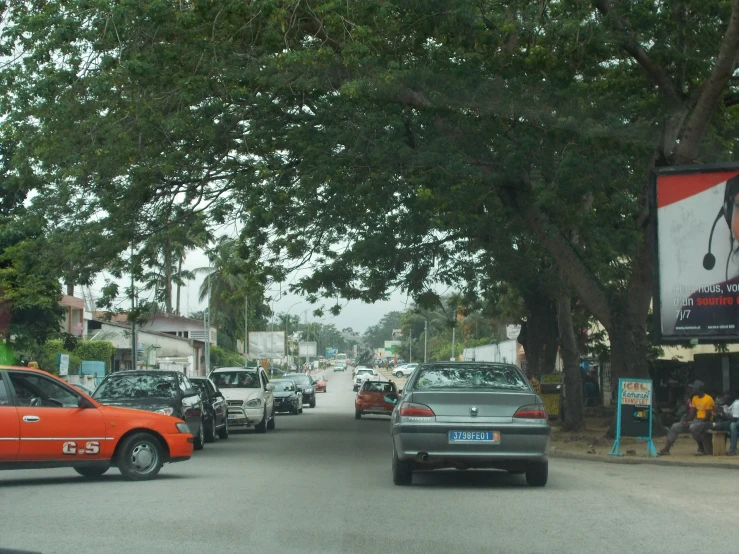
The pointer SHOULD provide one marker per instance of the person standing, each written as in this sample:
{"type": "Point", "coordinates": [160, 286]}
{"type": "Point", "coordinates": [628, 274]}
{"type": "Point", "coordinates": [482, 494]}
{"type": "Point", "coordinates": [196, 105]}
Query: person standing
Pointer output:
{"type": "Point", "coordinates": [697, 422]}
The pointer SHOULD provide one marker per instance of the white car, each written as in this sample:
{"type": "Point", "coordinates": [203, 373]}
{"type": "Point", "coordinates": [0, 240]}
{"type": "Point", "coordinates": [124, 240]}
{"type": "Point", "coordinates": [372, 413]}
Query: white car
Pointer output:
{"type": "Point", "coordinates": [404, 370]}
{"type": "Point", "coordinates": [363, 373]}
{"type": "Point", "coordinates": [248, 393]}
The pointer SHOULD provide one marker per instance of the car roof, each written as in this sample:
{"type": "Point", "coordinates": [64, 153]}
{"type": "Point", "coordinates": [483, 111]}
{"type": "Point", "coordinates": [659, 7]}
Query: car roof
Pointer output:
{"type": "Point", "coordinates": [146, 372]}
{"type": "Point", "coordinates": [380, 382]}
{"type": "Point", "coordinates": [23, 368]}
{"type": "Point", "coordinates": [245, 369]}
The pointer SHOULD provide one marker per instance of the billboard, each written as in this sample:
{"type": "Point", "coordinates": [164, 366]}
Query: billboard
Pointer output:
{"type": "Point", "coordinates": [696, 252]}
{"type": "Point", "coordinates": [308, 349]}
{"type": "Point", "coordinates": [267, 344]}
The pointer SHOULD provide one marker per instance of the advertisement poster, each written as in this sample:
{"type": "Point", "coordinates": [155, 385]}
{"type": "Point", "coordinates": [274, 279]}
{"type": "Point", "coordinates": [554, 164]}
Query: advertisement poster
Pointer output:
{"type": "Point", "coordinates": [267, 344]}
{"type": "Point", "coordinates": [634, 413]}
{"type": "Point", "coordinates": [697, 253]}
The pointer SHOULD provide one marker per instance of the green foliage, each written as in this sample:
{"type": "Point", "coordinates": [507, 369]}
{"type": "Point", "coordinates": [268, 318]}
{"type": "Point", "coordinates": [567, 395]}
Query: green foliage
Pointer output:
{"type": "Point", "coordinates": [219, 357]}
{"type": "Point", "coordinates": [47, 358]}
{"type": "Point", "coordinates": [376, 335]}
{"type": "Point", "coordinates": [95, 350]}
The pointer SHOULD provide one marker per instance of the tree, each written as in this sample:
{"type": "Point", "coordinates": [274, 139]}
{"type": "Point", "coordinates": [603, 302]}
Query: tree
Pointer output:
{"type": "Point", "coordinates": [376, 335]}
{"type": "Point", "coordinates": [379, 140]}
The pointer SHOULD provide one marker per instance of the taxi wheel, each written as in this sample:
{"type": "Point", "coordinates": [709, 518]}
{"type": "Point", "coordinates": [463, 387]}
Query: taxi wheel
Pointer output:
{"type": "Point", "coordinates": [223, 432]}
{"type": "Point", "coordinates": [402, 471]}
{"type": "Point", "coordinates": [357, 414]}
{"type": "Point", "coordinates": [92, 472]}
{"type": "Point", "coordinates": [210, 435]}
{"type": "Point", "coordinates": [313, 402]}
{"type": "Point", "coordinates": [140, 457]}
{"type": "Point", "coordinates": [271, 422]}
{"type": "Point", "coordinates": [200, 439]}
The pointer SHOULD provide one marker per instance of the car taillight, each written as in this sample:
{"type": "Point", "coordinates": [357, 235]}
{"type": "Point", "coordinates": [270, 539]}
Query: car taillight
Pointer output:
{"type": "Point", "coordinates": [411, 409]}
{"type": "Point", "coordinates": [533, 411]}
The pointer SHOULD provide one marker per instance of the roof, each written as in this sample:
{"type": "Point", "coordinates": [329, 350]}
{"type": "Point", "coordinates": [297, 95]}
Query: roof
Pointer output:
{"type": "Point", "coordinates": [145, 371]}
{"type": "Point", "coordinates": [139, 330]}
{"type": "Point", "coordinates": [248, 369]}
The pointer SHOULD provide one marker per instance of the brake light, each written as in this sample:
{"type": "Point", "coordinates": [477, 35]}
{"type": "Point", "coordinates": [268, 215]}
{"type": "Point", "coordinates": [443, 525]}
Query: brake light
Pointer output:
{"type": "Point", "coordinates": [411, 409]}
{"type": "Point", "coordinates": [533, 411]}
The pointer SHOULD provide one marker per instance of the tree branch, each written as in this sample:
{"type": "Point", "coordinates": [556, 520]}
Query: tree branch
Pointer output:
{"type": "Point", "coordinates": [712, 90]}
{"type": "Point", "coordinates": [640, 55]}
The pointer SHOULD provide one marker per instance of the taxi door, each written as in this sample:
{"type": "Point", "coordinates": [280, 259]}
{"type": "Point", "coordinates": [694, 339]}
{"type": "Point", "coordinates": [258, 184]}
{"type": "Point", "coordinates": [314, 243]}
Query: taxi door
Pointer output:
{"type": "Point", "coordinates": [9, 428]}
{"type": "Point", "coordinates": [52, 426]}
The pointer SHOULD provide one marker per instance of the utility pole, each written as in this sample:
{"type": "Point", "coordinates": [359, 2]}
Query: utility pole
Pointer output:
{"type": "Point", "coordinates": [425, 338]}
{"type": "Point", "coordinates": [133, 308]}
{"type": "Point", "coordinates": [206, 324]}
{"type": "Point", "coordinates": [454, 354]}
{"type": "Point", "coordinates": [246, 332]}
{"type": "Point", "coordinates": [410, 346]}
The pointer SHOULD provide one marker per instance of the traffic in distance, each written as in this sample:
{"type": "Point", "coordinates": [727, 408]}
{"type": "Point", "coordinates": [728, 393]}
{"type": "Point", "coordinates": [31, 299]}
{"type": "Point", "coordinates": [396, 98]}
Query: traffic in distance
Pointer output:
{"type": "Point", "coordinates": [448, 415]}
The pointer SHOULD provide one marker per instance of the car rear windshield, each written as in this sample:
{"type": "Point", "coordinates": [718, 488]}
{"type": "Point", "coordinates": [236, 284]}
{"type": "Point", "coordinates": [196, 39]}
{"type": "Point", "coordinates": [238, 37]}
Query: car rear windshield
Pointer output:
{"type": "Point", "coordinates": [281, 385]}
{"type": "Point", "coordinates": [365, 371]}
{"type": "Point", "coordinates": [236, 380]}
{"type": "Point", "coordinates": [137, 386]}
{"type": "Point", "coordinates": [300, 378]}
{"type": "Point", "coordinates": [377, 386]}
{"type": "Point", "coordinates": [470, 377]}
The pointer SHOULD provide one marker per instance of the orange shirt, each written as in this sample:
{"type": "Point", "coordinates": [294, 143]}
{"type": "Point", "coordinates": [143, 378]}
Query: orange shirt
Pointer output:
{"type": "Point", "coordinates": [702, 405]}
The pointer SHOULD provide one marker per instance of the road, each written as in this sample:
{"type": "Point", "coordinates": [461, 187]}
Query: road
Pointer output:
{"type": "Point", "coordinates": [321, 483]}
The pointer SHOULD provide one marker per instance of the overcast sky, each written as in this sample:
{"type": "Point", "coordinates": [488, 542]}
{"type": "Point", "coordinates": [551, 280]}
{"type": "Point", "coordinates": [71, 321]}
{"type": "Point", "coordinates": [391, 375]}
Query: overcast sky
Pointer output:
{"type": "Point", "coordinates": [355, 314]}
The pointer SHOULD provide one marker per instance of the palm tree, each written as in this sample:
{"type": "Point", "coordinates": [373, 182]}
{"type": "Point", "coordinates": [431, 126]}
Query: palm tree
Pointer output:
{"type": "Point", "coordinates": [224, 280]}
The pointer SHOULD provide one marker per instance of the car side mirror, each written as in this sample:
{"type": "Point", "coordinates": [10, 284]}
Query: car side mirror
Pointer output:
{"type": "Point", "coordinates": [83, 403]}
{"type": "Point", "coordinates": [190, 392]}
{"type": "Point", "coordinates": [219, 394]}
{"type": "Point", "coordinates": [269, 387]}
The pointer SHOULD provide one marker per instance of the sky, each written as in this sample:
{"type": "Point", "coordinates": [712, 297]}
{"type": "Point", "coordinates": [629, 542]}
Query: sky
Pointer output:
{"type": "Point", "coordinates": [355, 314]}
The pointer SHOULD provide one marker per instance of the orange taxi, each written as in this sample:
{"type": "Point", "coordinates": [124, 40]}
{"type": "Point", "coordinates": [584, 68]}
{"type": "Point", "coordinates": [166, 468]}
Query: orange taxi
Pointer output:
{"type": "Point", "coordinates": [45, 422]}
{"type": "Point", "coordinates": [376, 397]}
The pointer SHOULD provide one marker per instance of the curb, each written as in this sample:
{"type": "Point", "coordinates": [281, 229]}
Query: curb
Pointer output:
{"type": "Point", "coordinates": [634, 461]}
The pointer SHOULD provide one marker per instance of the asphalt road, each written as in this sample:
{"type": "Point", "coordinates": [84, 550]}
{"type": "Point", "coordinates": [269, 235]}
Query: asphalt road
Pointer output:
{"type": "Point", "coordinates": [321, 483]}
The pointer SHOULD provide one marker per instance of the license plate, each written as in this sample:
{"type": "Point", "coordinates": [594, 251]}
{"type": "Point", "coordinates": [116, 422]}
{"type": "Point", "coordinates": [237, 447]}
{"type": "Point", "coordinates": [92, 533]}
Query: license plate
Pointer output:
{"type": "Point", "coordinates": [474, 436]}
{"type": "Point", "coordinates": [232, 416]}
{"type": "Point", "coordinates": [377, 408]}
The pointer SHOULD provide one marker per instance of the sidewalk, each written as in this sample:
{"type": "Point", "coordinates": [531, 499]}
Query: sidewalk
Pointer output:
{"type": "Point", "coordinates": [590, 444]}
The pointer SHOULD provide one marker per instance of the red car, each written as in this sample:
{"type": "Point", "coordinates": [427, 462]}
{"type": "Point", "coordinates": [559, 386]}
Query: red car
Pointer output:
{"type": "Point", "coordinates": [376, 397]}
{"type": "Point", "coordinates": [320, 383]}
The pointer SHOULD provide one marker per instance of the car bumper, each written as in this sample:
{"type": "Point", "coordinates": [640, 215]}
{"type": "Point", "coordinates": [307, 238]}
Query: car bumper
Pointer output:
{"type": "Point", "coordinates": [370, 408]}
{"type": "Point", "coordinates": [244, 417]}
{"type": "Point", "coordinates": [180, 446]}
{"type": "Point", "coordinates": [285, 405]}
{"type": "Point", "coordinates": [429, 444]}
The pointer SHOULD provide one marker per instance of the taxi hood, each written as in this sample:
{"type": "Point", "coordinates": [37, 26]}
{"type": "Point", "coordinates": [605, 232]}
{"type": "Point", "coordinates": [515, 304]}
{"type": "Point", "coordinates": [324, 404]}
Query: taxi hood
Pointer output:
{"type": "Point", "coordinates": [241, 394]}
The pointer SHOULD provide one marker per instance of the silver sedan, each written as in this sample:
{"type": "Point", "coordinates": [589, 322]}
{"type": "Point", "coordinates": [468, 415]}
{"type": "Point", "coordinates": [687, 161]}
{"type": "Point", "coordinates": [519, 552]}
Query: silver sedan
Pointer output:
{"type": "Point", "coordinates": [470, 415]}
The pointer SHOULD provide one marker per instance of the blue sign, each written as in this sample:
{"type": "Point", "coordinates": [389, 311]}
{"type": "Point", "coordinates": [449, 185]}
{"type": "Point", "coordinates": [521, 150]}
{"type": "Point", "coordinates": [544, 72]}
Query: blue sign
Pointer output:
{"type": "Point", "coordinates": [634, 413]}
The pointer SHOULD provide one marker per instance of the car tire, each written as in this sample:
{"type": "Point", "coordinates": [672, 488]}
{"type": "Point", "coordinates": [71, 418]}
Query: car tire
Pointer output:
{"type": "Point", "coordinates": [398, 374]}
{"type": "Point", "coordinates": [300, 411]}
{"type": "Point", "coordinates": [357, 414]}
{"type": "Point", "coordinates": [271, 422]}
{"type": "Point", "coordinates": [313, 402]}
{"type": "Point", "coordinates": [210, 432]}
{"type": "Point", "coordinates": [402, 471]}
{"type": "Point", "coordinates": [262, 426]}
{"type": "Point", "coordinates": [200, 439]}
{"type": "Point", "coordinates": [92, 472]}
{"type": "Point", "coordinates": [223, 431]}
{"type": "Point", "coordinates": [537, 474]}
{"type": "Point", "coordinates": [295, 410]}
{"type": "Point", "coordinates": [140, 457]}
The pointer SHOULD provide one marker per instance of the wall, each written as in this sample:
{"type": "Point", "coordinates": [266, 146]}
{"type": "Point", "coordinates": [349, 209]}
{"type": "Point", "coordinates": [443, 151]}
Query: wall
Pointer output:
{"type": "Point", "coordinates": [504, 352]}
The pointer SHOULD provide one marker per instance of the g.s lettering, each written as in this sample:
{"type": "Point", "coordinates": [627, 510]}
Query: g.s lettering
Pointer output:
{"type": "Point", "coordinates": [90, 448]}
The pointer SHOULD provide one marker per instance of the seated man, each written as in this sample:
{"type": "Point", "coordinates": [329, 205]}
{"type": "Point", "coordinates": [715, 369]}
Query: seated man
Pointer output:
{"type": "Point", "coordinates": [696, 422]}
{"type": "Point", "coordinates": [729, 414]}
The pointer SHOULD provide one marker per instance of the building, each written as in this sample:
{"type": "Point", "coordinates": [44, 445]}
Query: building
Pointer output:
{"type": "Point", "coordinates": [75, 315]}
{"type": "Point", "coordinates": [177, 325]}
{"type": "Point", "coordinates": [154, 349]}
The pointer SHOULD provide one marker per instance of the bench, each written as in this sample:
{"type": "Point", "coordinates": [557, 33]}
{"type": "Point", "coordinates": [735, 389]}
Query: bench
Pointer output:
{"type": "Point", "coordinates": [718, 442]}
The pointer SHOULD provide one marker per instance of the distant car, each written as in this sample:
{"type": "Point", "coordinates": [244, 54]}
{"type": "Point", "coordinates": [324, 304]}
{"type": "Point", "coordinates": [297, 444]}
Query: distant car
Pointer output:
{"type": "Point", "coordinates": [163, 392]}
{"type": "Point", "coordinates": [249, 396]}
{"type": "Point", "coordinates": [305, 384]}
{"type": "Point", "coordinates": [404, 370]}
{"type": "Point", "coordinates": [288, 398]}
{"type": "Point", "coordinates": [377, 398]}
{"type": "Point", "coordinates": [45, 422]}
{"type": "Point", "coordinates": [320, 382]}
{"type": "Point", "coordinates": [340, 366]}
{"type": "Point", "coordinates": [215, 408]}
{"type": "Point", "coordinates": [362, 375]}
{"type": "Point", "coordinates": [84, 388]}
{"type": "Point", "coordinates": [470, 415]}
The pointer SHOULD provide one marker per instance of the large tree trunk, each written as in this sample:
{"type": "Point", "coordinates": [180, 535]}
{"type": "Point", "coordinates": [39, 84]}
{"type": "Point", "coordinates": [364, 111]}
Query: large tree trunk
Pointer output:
{"type": "Point", "coordinates": [539, 334]}
{"type": "Point", "coordinates": [571, 360]}
{"type": "Point", "coordinates": [179, 286]}
{"type": "Point", "coordinates": [70, 288]}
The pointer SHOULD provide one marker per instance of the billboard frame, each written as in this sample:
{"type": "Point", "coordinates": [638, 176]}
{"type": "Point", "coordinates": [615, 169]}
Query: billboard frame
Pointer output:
{"type": "Point", "coordinates": [653, 239]}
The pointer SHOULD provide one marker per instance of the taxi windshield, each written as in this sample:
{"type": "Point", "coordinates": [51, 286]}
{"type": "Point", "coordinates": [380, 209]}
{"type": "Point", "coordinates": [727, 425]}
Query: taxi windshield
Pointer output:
{"type": "Point", "coordinates": [136, 386]}
{"type": "Point", "coordinates": [236, 380]}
